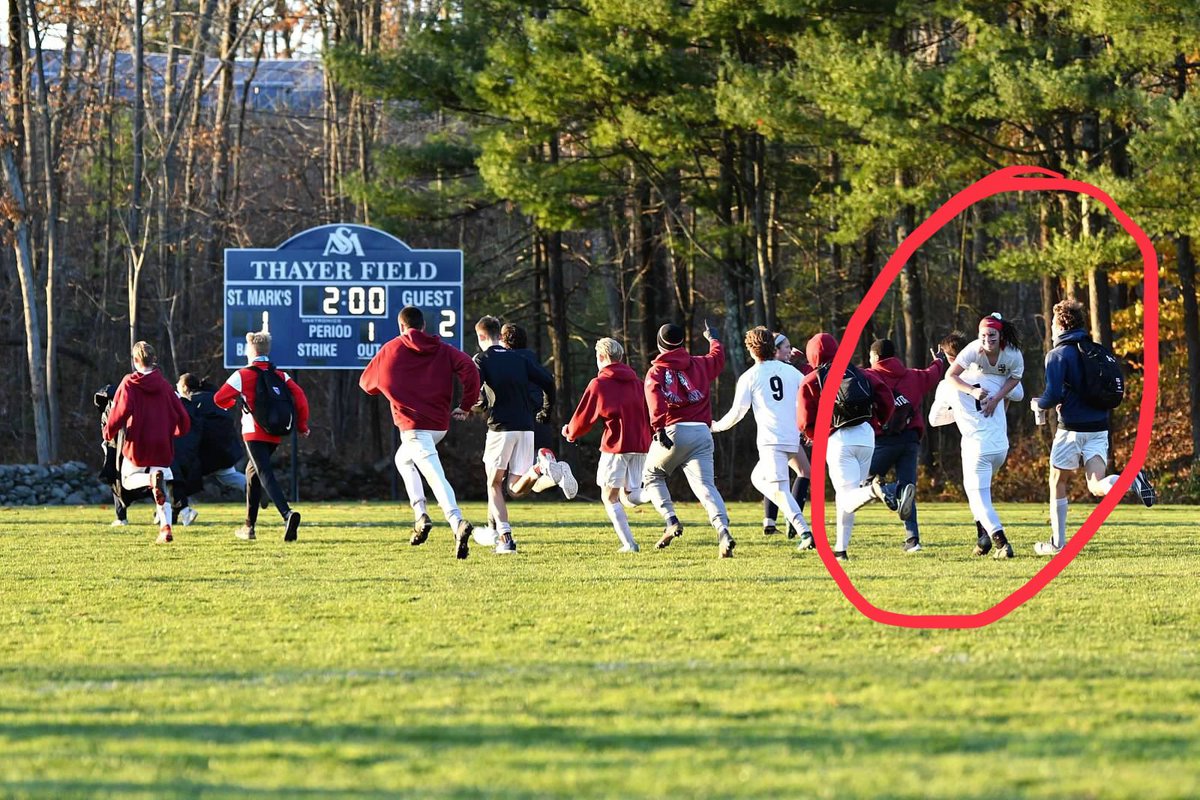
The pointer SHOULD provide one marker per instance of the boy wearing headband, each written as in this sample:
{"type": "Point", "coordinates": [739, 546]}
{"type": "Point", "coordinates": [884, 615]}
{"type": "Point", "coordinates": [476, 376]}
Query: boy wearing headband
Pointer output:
{"type": "Point", "coordinates": [677, 394]}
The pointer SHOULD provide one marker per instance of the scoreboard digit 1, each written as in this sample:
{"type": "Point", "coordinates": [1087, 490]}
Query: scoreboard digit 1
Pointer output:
{"type": "Point", "coordinates": [329, 296]}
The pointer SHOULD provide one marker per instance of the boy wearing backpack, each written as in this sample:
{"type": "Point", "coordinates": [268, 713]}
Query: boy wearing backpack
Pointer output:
{"type": "Point", "coordinates": [864, 404]}
{"type": "Point", "coordinates": [898, 443]}
{"type": "Point", "coordinates": [272, 403]}
{"type": "Point", "coordinates": [1084, 381]}
{"type": "Point", "coordinates": [677, 395]}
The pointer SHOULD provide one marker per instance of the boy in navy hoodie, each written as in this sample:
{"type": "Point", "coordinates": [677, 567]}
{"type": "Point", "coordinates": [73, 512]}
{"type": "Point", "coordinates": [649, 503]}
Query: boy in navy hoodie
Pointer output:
{"type": "Point", "coordinates": [1082, 436]}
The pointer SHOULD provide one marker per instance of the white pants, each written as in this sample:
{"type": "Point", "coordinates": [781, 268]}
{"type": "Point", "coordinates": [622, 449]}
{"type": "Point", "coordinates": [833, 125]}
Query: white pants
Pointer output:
{"type": "Point", "coordinates": [418, 457]}
{"type": "Point", "coordinates": [849, 464]}
{"type": "Point", "coordinates": [770, 476]}
{"type": "Point", "coordinates": [978, 471]}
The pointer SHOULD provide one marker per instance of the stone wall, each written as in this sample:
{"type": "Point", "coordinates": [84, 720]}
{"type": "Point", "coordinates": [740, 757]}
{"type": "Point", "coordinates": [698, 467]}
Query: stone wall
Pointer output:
{"type": "Point", "coordinates": [72, 483]}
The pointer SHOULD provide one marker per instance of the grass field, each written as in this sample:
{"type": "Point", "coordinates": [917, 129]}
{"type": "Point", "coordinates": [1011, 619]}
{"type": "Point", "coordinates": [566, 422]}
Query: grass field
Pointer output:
{"type": "Point", "coordinates": [351, 665]}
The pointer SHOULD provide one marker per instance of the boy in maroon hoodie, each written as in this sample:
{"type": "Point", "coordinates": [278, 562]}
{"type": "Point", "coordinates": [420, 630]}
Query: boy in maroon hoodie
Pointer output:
{"type": "Point", "coordinates": [416, 372]}
{"type": "Point", "coordinates": [151, 415]}
{"type": "Point", "coordinates": [260, 445]}
{"type": "Point", "coordinates": [898, 443]}
{"type": "Point", "coordinates": [677, 395]}
{"type": "Point", "coordinates": [615, 396]}
{"type": "Point", "coordinates": [863, 406]}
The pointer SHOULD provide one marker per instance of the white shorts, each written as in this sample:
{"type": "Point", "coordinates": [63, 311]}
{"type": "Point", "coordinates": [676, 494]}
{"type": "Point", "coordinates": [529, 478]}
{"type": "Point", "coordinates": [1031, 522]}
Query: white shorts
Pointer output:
{"type": "Point", "coordinates": [509, 450]}
{"type": "Point", "coordinates": [1071, 449]}
{"type": "Point", "coordinates": [773, 463]}
{"type": "Point", "coordinates": [620, 470]}
{"type": "Point", "coordinates": [980, 468]}
{"type": "Point", "coordinates": [135, 477]}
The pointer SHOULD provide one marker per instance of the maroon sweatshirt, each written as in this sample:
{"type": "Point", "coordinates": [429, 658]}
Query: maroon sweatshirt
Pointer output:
{"type": "Point", "coordinates": [152, 415]}
{"type": "Point", "coordinates": [416, 372]}
{"type": "Point", "coordinates": [677, 386]}
{"type": "Point", "coordinates": [820, 351]}
{"type": "Point", "coordinates": [614, 396]}
{"type": "Point", "coordinates": [914, 384]}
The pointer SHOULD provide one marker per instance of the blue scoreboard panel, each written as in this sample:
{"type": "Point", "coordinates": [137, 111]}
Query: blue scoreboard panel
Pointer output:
{"type": "Point", "coordinates": [329, 296]}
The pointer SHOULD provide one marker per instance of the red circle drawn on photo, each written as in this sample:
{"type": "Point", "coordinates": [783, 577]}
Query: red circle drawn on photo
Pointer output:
{"type": "Point", "coordinates": [1009, 179]}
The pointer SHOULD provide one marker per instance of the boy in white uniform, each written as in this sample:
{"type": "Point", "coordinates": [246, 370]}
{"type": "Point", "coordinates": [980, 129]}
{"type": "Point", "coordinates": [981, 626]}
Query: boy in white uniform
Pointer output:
{"type": "Point", "coordinates": [771, 388]}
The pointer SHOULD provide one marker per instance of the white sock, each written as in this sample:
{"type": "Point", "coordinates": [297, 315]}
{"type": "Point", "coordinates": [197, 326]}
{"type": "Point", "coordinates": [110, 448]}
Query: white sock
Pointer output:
{"type": "Point", "coordinates": [165, 514]}
{"type": "Point", "coordinates": [1107, 483]}
{"type": "Point", "coordinates": [768, 522]}
{"type": "Point", "coordinates": [987, 512]}
{"type": "Point", "coordinates": [1058, 522]}
{"type": "Point", "coordinates": [856, 498]}
{"type": "Point", "coordinates": [844, 528]}
{"type": "Point", "coordinates": [454, 517]}
{"type": "Point", "coordinates": [419, 507]}
{"type": "Point", "coordinates": [616, 513]}
{"type": "Point", "coordinates": [503, 527]}
{"type": "Point", "coordinates": [631, 498]}
{"type": "Point", "coordinates": [801, 524]}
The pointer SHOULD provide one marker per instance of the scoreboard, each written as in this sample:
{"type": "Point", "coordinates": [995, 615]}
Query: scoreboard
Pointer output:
{"type": "Point", "coordinates": [329, 296]}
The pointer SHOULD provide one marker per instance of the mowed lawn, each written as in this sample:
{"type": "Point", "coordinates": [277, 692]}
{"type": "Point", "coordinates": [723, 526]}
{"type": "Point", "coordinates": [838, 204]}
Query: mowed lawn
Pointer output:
{"type": "Point", "coordinates": [350, 664]}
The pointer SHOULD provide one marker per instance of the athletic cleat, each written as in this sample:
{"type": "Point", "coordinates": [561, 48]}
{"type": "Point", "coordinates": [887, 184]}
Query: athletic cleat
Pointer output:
{"type": "Point", "coordinates": [626, 548]}
{"type": "Point", "coordinates": [905, 500]}
{"type": "Point", "coordinates": [841, 555]}
{"type": "Point", "coordinates": [673, 531]}
{"type": "Point", "coordinates": [187, 515]}
{"type": "Point", "coordinates": [771, 530]}
{"type": "Point", "coordinates": [119, 523]}
{"type": "Point", "coordinates": [1003, 548]}
{"type": "Point", "coordinates": [806, 541]}
{"type": "Point", "coordinates": [983, 545]}
{"type": "Point", "coordinates": [912, 545]}
{"type": "Point", "coordinates": [292, 525]}
{"type": "Point", "coordinates": [421, 529]}
{"type": "Point", "coordinates": [792, 533]}
{"type": "Point", "coordinates": [505, 544]}
{"type": "Point", "coordinates": [1145, 489]}
{"type": "Point", "coordinates": [462, 539]}
{"type": "Point", "coordinates": [1046, 549]}
{"type": "Point", "coordinates": [246, 533]}
{"type": "Point", "coordinates": [164, 535]}
{"type": "Point", "coordinates": [725, 544]}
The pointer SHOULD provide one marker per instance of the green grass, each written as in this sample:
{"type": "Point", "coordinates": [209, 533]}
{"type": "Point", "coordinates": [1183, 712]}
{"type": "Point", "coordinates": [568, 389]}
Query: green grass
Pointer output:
{"type": "Point", "coordinates": [351, 665]}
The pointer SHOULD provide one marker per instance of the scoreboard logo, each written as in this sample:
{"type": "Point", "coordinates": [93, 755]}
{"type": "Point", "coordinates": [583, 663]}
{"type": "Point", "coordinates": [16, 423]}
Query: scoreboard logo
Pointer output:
{"type": "Point", "coordinates": [329, 296]}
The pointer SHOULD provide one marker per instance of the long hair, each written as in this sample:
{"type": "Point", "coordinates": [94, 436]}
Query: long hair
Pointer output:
{"type": "Point", "coordinates": [1009, 335]}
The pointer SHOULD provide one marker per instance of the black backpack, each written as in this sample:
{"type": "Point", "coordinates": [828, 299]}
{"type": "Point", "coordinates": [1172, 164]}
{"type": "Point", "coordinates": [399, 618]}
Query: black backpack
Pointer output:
{"type": "Point", "coordinates": [902, 415]}
{"type": "Point", "coordinates": [1103, 381]}
{"type": "Point", "coordinates": [855, 402]}
{"type": "Point", "coordinates": [273, 410]}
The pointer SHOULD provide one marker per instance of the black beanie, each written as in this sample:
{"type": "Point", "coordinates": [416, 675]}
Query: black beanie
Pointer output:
{"type": "Point", "coordinates": [670, 336]}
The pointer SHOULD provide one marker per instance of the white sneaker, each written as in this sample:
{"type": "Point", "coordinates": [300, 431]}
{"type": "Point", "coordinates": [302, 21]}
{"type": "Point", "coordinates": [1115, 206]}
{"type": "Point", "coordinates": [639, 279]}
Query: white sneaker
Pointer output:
{"type": "Point", "coordinates": [566, 480]}
{"type": "Point", "coordinates": [506, 544]}
{"type": "Point", "coordinates": [1046, 549]}
{"type": "Point", "coordinates": [120, 523]}
{"type": "Point", "coordinates": [629, 549]}
{"type": "Point", "coordinates": [187, 516]}
{"type": "Point", "coordinates": [544, 481]}
{"type": "Point", "coordinates": [484, 536]}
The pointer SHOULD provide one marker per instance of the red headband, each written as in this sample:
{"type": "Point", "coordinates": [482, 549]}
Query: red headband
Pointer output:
{"type": "Point", "coordinates": [992, 322]}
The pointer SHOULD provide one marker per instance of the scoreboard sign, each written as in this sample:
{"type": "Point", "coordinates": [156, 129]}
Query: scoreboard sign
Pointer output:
{"type": "Point", "coordinates": [329, 296]}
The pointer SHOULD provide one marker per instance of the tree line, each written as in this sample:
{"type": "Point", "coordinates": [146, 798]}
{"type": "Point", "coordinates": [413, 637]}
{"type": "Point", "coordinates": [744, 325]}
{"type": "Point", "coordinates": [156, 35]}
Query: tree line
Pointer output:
{"type": "Point", "coordinates": [606, 165]}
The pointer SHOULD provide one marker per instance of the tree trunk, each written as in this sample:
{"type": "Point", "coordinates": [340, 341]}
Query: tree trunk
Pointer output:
{"type": "Point", "coordinates": [33, 333]}
{"type": "Point", "coordinates": [1191, 330]}
{"type": "Point", "coordinates": [912, 299]}
{"type": "Point", "coordinates": [136, 250]}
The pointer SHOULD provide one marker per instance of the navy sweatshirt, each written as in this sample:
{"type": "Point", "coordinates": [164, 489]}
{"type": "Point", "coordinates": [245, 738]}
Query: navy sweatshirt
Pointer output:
{"type": "Point", "coordinates": [507, 377]}
{"type": "Point", "coordinates": [1064, 372]}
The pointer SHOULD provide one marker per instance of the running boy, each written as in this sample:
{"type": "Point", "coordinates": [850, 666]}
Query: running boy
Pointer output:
{"type": "Point", "coordinates": [416, 372]}
{"type": "Point", "coordinates": [260, 443]}
{"type": "Point", "coordinates": [771, 388]}
{"type": "Point", "coordinates": [615, 397]}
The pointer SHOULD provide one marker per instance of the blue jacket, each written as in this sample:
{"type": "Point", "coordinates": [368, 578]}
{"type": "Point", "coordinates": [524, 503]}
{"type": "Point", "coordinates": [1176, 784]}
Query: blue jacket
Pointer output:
{"type": "Point", "coordinates": [507, 377]}
{"type": "Point", "coordinates": [1064, 372]}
